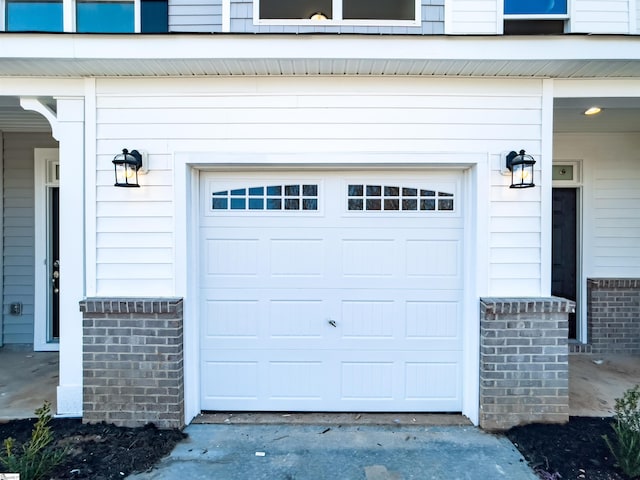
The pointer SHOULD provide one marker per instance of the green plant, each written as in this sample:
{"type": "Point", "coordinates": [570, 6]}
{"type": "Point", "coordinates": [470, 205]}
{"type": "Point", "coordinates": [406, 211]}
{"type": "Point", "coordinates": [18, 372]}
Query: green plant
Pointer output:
{"type": "Point", "coordinates": [626, 445]}
{"type": "Point", "coordinates": [36, 457]}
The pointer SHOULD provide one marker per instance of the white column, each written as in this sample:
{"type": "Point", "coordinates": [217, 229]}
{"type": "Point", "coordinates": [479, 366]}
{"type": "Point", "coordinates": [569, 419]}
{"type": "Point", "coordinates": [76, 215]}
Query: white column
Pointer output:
{"type": "Point", "coordinates": [72, 260]}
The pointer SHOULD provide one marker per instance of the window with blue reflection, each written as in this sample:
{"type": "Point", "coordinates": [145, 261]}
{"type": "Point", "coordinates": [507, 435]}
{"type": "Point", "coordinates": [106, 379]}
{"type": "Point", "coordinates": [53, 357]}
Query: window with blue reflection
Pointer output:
{"type": "Point", "coordinates": [154, 16]}
{"type": "Point", "coordinates": [104, 17]}
{"type": "Point", "coordinates": [256, 204]}
{"type": "Point", "coordinates": [238, 204]}
{"type": "Point", "coordinates": [219, 204]}
{"type": "Point", "coordinates": [535, 7]}
{"type": "Point", "coordinates": [26, 16]}
{"type": "Point", "coordinates": [270, 197]}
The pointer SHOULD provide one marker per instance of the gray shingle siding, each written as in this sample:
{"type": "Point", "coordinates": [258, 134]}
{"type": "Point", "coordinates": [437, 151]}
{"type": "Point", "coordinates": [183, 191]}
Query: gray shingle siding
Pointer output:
{"type": "Point", "coordinates": [18, 232]}
{"type": "Point", "coordinates": [198, 16]}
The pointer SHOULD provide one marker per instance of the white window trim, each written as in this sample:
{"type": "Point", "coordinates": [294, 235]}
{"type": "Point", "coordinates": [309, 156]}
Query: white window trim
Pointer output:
{"type": "Point", "coordinates": [69, 16]}
{"type": "Point", "coordinates": [536, 17]}
{"type": "Point", "coordinates": [337, 19]}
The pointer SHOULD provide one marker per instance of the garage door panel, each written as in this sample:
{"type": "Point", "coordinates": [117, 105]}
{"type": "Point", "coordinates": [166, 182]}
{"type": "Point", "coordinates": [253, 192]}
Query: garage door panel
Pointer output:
{"type": "Point", "coordinates": [267, 319]}
{"type": "Point", "coordinates": [232, 257]}
{"type": "Point", "coordinates": [331, 309]}
{"type": "Point", "coordinates": [228, 379]}
{"type": "Point", "coordinates": [432, 380]}
{"type": "Point", "coordinates": [231, 318]}
{"type": "Point", "coordinates": [363, 381]}
{"type": "Point", "coordinates": [255, 263]}
{"type": "Point", "coordinates": [294, 257]}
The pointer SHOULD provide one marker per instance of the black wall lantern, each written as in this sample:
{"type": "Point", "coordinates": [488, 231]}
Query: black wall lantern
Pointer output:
{"type": "Point", "coordinates": [127, 165]}
{"type": "Point", "coordinates": [521, 167]}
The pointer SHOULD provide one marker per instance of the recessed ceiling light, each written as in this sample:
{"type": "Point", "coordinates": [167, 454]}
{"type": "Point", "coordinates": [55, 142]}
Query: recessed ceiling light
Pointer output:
{"type": "Point", "coordinates": [592, 111]}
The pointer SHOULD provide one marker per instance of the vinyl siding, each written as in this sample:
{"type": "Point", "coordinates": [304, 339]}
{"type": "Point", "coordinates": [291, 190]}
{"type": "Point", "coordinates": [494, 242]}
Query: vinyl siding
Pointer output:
{"type": "Point", "coordinates": [18, 233]}
{"type": "Point", "coordinates": [195, 16]}
{"type": "Point", "coordinates": [473, 17]}
{"type": "Point", "coordinates": [601, 16]}
{"type": "Point", "coordinates": [206, 16]}
{"type": "Point", "coordinates": [611, 198]}
{"type": "Point", "coordinates": [134, 249]}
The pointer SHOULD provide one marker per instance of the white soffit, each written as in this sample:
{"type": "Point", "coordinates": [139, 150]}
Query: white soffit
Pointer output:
{"type": "Point", "coordinates": [76, 55]}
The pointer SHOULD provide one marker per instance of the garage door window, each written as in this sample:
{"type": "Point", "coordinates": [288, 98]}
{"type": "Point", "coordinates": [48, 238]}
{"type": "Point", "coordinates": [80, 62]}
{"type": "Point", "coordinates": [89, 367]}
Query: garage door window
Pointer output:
{"type": "Point", "coordinates": [388, 198]}
{"type": "Point", "coordinates": [270, 197]}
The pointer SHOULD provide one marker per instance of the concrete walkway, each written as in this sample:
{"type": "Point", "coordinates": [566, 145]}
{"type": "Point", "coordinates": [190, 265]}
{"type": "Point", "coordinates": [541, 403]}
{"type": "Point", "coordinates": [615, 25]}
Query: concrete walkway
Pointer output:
{"type": "Point", "coordinates": [27, 380]}
{"type": "Point", "coordinates": [319, 452]}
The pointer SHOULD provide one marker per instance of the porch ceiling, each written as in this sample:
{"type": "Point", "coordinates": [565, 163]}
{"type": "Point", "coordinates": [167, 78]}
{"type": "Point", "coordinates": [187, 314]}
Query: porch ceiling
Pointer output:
{"type": "Point", "coordinates": [304, 67]}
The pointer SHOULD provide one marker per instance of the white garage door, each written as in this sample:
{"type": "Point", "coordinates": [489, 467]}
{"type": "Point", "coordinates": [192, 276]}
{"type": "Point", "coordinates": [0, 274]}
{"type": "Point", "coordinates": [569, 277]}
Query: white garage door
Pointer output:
{"type": "Point", "coordinates": [331, 291]}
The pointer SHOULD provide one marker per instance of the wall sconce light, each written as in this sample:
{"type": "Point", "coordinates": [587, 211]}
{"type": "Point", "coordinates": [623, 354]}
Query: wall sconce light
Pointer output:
{"type": "Point", "coordinates": [127, 165]}
{"type": "Point", "coordinates": [521, 167]}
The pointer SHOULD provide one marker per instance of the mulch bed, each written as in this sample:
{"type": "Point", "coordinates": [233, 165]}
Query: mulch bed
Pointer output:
{"type": "Point", "coordinates": [100, 451]}
{"type": "Point", "coordinates": [575, 450]}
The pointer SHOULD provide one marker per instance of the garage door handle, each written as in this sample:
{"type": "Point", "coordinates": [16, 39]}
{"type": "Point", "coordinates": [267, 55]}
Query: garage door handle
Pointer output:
{"type": "Point", "coordinates": [333, 323]}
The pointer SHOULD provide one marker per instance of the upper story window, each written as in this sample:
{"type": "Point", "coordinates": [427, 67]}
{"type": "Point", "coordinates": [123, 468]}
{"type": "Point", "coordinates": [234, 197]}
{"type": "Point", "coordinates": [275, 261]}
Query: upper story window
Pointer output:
{"type": "Point", "coordinates": [103, 16]}
{"type": "Point", "coordinates": [84, 16]}
{"type": "Point", "coordinates": [33, 16]}
{"type": "Point", "coordinates": [372, 12]}
{"type": "Point", "coordinates": [544, 8]}
{"type": "Point", "coordinates": [534, 17]}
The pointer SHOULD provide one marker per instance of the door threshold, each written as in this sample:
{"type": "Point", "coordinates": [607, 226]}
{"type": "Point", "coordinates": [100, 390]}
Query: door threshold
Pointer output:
{"type": "Point", "coordinates": [324, 418]}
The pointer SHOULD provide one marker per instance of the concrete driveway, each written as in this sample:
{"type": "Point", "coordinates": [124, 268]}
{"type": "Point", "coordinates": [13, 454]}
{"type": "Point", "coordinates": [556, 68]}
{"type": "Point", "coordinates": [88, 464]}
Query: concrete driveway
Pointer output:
{"type": "Point", "coordinates": [320, 452]}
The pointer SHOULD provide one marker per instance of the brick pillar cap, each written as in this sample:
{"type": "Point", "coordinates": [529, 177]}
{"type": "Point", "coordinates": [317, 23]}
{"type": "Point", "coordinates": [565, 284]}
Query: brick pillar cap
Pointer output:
{"type": "Point", "coordinates": [527, 305]}
{"type": "Point", "coordinates": [131, 305]}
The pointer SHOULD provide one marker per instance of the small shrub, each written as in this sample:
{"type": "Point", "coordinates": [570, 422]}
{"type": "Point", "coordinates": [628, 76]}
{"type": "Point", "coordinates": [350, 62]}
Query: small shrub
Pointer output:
{"type": "Point", "coordinates": [626, 445]}
{"type": "Point", "coordinates": [37, 457]}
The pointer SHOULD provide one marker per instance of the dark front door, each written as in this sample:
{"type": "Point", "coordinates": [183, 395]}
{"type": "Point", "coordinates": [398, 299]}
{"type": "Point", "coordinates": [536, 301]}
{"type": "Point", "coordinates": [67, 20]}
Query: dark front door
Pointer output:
{"type": "Point", "coordinates": [54, 234]}
{"type": "Point", "coordinates": [564, 248]}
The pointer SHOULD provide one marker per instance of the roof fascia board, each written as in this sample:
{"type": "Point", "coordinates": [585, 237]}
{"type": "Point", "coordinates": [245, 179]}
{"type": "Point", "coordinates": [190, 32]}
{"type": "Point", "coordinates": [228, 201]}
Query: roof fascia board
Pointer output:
{"type": "Point", "coordinates": [189, 46]}
{"type": "Point", "coordinates": [42, 87]}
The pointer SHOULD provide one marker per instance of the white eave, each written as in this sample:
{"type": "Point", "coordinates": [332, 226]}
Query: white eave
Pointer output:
{"type": "Point", "coordinates": [77, 55]}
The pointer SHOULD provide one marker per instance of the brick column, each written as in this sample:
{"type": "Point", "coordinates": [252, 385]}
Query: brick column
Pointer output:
{"type": "Point", "coordinates": [524, 361]}
{"type": "Point", "coordinates": [613, 315]}
{"type": "Point", "coordinates": [133, 370]}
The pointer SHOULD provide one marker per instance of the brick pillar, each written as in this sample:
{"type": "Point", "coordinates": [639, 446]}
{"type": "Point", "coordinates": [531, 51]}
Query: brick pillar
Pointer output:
{"type": "Point", "coordinates": [614, 315]}
{"type": "Point", "coordinates": [524, 361]}
{"type": "Point", "coordinates": [133, 368]}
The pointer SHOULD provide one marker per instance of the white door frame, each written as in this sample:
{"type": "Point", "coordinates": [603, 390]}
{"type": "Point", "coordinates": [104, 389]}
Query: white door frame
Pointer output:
{"type": "Point", "coordinates": [186, 202]}
{"type": "Point", "coordinates": [45, 177]}
{"type": "Point", "coordinates": [576, 183]}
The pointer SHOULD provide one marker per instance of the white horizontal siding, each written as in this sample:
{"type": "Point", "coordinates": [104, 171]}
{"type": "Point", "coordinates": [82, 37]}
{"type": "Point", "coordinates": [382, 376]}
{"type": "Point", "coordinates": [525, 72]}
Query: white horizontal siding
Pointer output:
{"type": "Point", "coordinates": [473, 17]}
{"type": "Point", "coordinates": [134, 237]}
{"type": "Point", "coordinates": [18, 232]}
{"type": "Point", "coordinates": [611, 200]}
{"type": "Point", "coordinates": [600, 16]}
